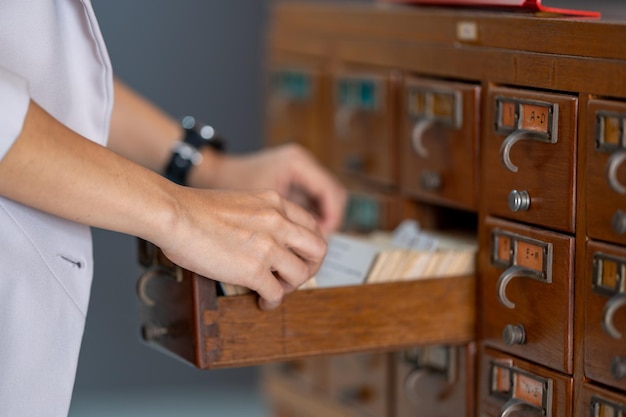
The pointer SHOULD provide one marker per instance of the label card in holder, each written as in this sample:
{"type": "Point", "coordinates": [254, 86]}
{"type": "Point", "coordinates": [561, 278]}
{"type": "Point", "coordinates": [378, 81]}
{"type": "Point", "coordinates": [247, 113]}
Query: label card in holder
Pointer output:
{"type": "Point", "coordinates": [510, 249]}
{"type": "Point", "coordinates": [508, 382]}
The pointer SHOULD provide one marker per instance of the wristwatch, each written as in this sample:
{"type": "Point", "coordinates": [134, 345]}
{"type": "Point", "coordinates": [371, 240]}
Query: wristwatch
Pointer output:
{"type": "Point", "coordinates": [186, 153]}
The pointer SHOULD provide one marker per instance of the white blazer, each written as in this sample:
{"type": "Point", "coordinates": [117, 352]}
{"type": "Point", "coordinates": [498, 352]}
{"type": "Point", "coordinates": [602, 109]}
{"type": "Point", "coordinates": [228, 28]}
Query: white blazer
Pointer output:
{"type": "Point", "coordinates": [51, 51]}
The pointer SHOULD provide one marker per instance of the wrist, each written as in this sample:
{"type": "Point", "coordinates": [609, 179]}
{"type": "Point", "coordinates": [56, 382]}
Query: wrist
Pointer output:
{"type": "Point", "coordinates": [188, 152]}
{"type": "Point", "coordinates": [206, 173]}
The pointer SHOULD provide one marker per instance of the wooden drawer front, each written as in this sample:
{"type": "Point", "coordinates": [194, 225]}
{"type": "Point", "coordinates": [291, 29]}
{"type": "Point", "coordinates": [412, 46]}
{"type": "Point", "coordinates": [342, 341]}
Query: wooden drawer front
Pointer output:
{"type": "Point", "coordinates": [510, 386]}
{"type": "Point", "coordinates": [362, 381]}
{"type": "Point", "coordinates": [309, 375]}
{"type": "Point", "coordinates": [605, 314]}
{"type": "Point", "coordinates": [536, 132]}
{"type": "Point", "coordinates": [364, 114]}
{"type": "Point", "coordinates": [439, 142]}
{"type": "Point", "coordinates": [599, 402]}
{"type": "Point", "coordinates": [435, 381]}
{"type": "Point", "coordinates": [296, 103]}
{"type": "Point", "coordinates": [526, 292]}
{"type": "Point", "coordinates": [606, 171]}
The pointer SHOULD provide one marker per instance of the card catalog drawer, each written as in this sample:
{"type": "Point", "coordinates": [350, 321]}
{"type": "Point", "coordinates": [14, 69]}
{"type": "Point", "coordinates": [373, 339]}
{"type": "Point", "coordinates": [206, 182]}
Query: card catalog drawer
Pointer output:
{"type": "Point", "coordinates": [511, 386]}
{"type": "Point", "coordinates": [605, 314]}
{"type": "Point", "coordinates": [606, 171]}
{"type": "Point", "coordinates": [529, 156]}
{"type": "Point", "coordinates": [435, 381]}
{"type": "Point", "coordinates": [599, 402]}
{"type": "Point", "coordinates": [362, 381]}
{"type": "Point", "coordinates": [296, 108]}
{"type": "Point", "coordinates": [365, 136]}
{"type": "Point", "coordinates": [526, 292]}
{"type": "Point", "coordinates": [182, 313]}
{"type": "Point", "coordinates": [439, 142]}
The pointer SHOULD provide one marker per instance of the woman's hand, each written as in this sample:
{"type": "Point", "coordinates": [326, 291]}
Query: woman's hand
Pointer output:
{"type": "Point", "coordinates": [286, 169]}
{"type": "Point", "coordinates": [255, 239]}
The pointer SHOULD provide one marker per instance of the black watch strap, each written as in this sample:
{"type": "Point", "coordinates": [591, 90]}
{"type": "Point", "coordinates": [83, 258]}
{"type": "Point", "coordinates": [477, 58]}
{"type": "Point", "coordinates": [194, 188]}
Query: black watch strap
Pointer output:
{"type": "Point", "coordinates": [186, 153]}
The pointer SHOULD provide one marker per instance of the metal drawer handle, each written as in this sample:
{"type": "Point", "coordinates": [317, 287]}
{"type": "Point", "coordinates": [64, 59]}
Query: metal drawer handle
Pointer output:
{"type": "Point", "coordinates": [146, 277]}
{"type": "Point", "coordinates": [417, 136]}
{"type": "Point", "coordinates": [417, 376]}
{"type": "Point", "coordinates": [515, 405]}
{"type": "Point", "coordinates": [616, 159]}
{"type": "Point", "coordinates": [610, 308]}
{"type": "Point", "coordinates": [506, 277]}
{"type": "Point", "coordinates": [512, 139]}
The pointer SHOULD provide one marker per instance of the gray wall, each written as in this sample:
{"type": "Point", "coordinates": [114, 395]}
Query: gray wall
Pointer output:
{"type": "Point", "coordinates": [199, 57]}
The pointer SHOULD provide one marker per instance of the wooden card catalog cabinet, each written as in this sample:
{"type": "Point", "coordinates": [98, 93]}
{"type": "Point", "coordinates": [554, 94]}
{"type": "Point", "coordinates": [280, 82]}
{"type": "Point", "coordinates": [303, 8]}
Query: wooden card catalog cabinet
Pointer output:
{"type": "Point", "coordinates": [296, 108]}
{"type": "Point", "coordinates": [528, 163]}
{"type": "Point", "coordinates": [526, 286]}
{"type": "Point", "coordinates": [364, 127]}
{"type": "Point", "coordinates": [606, 171]}
{"type": "Point", "coordinates": [435, 381]}
{"type": "Point", "coordinates": [511, 387]}
{"type": "Point", "coordinates": [599, 402]}
{"type": "Point", "coordinates": [439, 142]}
{"type": "Point", "coordinates": [605, 315]}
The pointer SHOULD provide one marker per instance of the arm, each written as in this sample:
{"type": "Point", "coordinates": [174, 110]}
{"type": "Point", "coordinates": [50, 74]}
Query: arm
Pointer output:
{"type": "Point", "coordinates": [145, 134]}
{"type": "Point", "coordinates": [257, 240]}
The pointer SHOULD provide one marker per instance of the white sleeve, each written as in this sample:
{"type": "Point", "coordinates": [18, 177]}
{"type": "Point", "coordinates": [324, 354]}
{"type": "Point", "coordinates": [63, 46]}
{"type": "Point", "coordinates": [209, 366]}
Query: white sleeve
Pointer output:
{"type": "Point", "coordinates": [14, 100]}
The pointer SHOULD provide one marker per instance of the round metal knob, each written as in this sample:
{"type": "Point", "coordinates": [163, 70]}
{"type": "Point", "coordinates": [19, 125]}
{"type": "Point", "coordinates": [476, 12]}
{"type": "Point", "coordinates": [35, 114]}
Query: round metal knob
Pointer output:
{"type": "Point", "coordinates": [354, 163]}
{"type": "Point", "coordinates": [618, 368]}
{"type": "Point", "coordinates": [431, 180]}
{"type": "Point", "coordinates": [619, 222]}
{"type": "Point", "coordinates": [519, 200]}
{"type": "Point", "coordinates": [514, 334]}
{"type": "Point", "coordinates": [151, 332]}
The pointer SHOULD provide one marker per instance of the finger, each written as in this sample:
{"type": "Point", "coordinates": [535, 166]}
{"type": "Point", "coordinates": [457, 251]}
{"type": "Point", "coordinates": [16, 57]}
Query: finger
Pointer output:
{"type": "Point", "coordinates": [291, 270]}
{"type": "Point", "coordinates": [300, 216]}
{"type": "Point", "coordinates": [332, 206]}
{"type": "Point", "coordinates": [329, 195]}
{"type": "Point", "coordinates": [306, 244]}
{"type": "Point", "coordinates": [270, 291]}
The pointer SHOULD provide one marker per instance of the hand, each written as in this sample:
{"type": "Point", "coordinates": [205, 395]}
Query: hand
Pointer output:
{"type": "Point", "coordinates": [254, 239]}
{"type": "Point", "coordinates": [284, 169]}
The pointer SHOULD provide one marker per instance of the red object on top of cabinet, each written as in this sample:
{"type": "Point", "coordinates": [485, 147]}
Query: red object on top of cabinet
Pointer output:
{"type": "Point", "coordinates": [523, 5]}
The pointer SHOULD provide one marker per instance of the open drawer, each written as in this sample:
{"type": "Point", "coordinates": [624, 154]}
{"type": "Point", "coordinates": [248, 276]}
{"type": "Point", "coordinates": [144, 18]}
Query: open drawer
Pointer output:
{"type": "Point", "coordinates": [183, 313]}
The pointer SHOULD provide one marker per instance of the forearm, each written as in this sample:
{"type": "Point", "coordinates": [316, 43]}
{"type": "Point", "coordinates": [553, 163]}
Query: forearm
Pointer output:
{"type": "Point", "coordinates": [51, 168]}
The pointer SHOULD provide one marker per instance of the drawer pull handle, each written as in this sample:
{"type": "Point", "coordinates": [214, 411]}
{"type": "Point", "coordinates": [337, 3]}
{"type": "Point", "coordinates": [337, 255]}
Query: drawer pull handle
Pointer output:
{"type": "Point", "coordinates": [514, 406]}
{"type": "Point", "coordinates": [420, 379]}
{"type": "Point", "coordinates": [506, 277]}
{"type": "Point", "coordinates": [616, 159]}
{"type": "Point", "coordinates": [151, 273]}
{"type": "Point", "coordinates": [610, 308]}
{"type": "Point", "coordinates": [618, 368]}
{"type": "Point", "coordinates": [417, 136]}
{"type": "Point", "coordinates": [512, 139]}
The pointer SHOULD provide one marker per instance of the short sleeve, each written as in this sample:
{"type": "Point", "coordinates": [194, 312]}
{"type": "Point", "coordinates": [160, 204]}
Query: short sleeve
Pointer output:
{"type": "Point", "coordinates": [14, 101]}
